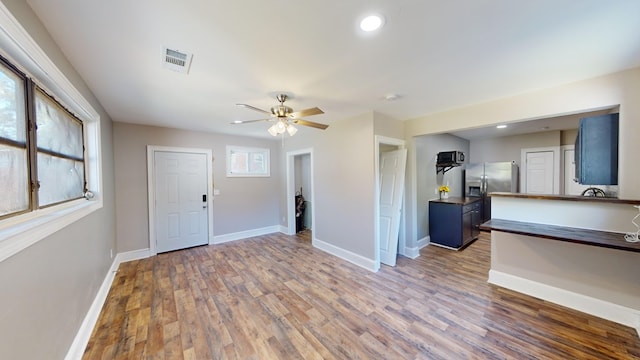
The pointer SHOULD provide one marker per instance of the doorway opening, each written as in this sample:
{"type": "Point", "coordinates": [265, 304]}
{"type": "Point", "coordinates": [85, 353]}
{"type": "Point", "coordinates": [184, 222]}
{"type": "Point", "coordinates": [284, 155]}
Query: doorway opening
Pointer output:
{"type": "Point", "coordinates": [300, 202]}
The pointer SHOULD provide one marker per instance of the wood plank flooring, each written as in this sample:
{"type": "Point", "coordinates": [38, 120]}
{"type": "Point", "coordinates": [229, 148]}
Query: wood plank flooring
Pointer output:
{"type": "Point", "coordinates": [277, 297]}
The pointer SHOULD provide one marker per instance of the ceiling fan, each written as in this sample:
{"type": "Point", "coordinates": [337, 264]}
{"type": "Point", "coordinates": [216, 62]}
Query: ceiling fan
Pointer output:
{"type": "Point", "coordinates": [284, 117]}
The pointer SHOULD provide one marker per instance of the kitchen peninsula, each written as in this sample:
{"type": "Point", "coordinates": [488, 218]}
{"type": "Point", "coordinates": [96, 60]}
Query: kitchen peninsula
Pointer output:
{"type": "Point", "coordinates": [568, 250]}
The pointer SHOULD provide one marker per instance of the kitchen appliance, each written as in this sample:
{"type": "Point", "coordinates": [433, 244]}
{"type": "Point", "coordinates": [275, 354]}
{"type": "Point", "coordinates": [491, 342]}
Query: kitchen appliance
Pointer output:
{"type": "Point", "coordinates": [484, 178]}
{"type": "Point", "coordinates": [450, 158]}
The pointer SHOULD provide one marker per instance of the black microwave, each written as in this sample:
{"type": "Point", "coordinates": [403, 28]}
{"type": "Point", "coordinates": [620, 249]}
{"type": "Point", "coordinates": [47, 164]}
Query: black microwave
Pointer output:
{"type": "Point", "coordinates": [450, 158]}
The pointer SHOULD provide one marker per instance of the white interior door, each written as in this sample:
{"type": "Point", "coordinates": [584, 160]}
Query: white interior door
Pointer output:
{"type": "Point", "coordinates": [539, 173]}
{"type": "Point", "coordinates": [571, 187]}
{"type": "Point", "coordinates": [181, 200]}
{"type": "Point", "coordinates": [392, 169]}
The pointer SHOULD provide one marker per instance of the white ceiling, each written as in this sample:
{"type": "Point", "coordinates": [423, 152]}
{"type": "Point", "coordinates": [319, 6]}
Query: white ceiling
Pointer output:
{"type": "Point", "coordinates": [434, 54]}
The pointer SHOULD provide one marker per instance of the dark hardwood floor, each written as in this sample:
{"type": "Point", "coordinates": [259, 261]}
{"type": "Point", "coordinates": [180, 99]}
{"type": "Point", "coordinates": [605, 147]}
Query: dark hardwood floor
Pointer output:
{"type": "Point", "coordinates": [277, 297]}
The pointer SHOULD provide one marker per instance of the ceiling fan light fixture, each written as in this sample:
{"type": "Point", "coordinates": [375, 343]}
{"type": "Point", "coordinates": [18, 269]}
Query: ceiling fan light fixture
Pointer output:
{"type": "Point", "coordinates": [283, 117]}
{"type": "Point", "coordinates": [273, 130]}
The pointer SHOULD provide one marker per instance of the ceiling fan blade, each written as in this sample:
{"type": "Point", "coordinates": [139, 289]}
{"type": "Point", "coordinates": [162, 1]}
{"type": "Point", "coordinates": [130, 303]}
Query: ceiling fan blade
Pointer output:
{"type": "Point", "coordinates": [254, 108]}
{"type": "Point", "coordinates": [306, 112]}
{"type": "Point", "coordinates": [248, 121]}
{"type": "Point", "coordinates": [310, 123]}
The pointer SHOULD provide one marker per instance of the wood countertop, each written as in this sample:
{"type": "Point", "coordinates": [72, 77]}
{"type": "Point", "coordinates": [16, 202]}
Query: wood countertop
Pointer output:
{"type": "Point", "coordinates": [606, 239]}
{"type": "Point", "coordinates": [566, 198]}
{"type": "Point", "coordinates": [454, 200]}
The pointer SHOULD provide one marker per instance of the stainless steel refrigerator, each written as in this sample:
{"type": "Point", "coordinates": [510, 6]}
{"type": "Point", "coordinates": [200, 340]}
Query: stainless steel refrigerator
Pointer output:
{"type": "Point", "coordinates": [484, 178]}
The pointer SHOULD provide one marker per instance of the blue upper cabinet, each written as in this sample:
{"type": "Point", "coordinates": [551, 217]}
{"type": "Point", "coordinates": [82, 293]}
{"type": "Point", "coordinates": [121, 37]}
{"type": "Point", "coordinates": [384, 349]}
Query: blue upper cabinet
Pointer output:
{"type": "Point", "coordinates": [596, 150]}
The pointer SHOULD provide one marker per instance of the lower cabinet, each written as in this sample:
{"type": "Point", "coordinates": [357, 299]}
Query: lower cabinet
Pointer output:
{"type": "Point", "coordinates": [454, 222]}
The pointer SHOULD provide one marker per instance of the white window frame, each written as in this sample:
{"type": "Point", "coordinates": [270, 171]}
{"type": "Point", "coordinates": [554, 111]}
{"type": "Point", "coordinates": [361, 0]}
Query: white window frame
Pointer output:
{"type": "Point", "coordinates": [266, 153]}
{"type": "Point", "coordinates": [19, 232]}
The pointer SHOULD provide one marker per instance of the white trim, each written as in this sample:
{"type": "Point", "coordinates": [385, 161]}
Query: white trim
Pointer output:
{"type": "Point", "coordinates": [563, 166]}
{"type": "Point", "coordinates": [291, 206]}
{"type": "Point", "coordinates": [20, 232]}
{"type": "Point", "coordinates": [30, 58]}
{"type": "Point", "coordinates": [151, 149]}
{"type": "Point", "coordinates": [219, 239]}
{"type": "Point", "coordinates": [41, 224]}
{"type": "Point", "coordinates": [79, 344]}
{"type": "Point", "coordinates": [347, 255]}
{"type": "Point", "coordinates": [556, 166]}
{"type": "Point", "coordinates": [596, 307]}
{"type": "Point", "coordinates": [376, 200]}
{"type": "Point", "coordinates": [414, 252]}
{"type": "Point", "coordinates": [132, 255]}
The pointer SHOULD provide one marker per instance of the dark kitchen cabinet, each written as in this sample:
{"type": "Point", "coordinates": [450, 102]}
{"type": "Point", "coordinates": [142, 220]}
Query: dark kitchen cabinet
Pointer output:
{"type": "Point", "coordinates": [454, 222]}
{"type": "Point", "coordinates": [596, 150]}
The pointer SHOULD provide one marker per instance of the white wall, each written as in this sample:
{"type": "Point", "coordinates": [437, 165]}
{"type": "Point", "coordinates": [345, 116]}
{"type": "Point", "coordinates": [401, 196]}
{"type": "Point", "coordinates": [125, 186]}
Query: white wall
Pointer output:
{"type": "Point", "coordinates": [244, 204]}
{"type": "Point", "coordinates": [508, 148]}
{"type": "Point", "coordinates": [48, 287]}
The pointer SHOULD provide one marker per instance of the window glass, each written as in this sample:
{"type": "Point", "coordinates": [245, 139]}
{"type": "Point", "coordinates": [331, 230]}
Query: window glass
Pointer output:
{"type": "Point", "coordinates": [12, 105]}
{"type": "Point", "coordinates": [14, 171]}
{"type": "Point", "coordinates": [14, 180]}
{"type": "Point", "coordinates": [59, 141]}
{"type": "Point", "coordinates": [57, 131]}
{"type": "Point", "coordinates": [247, 162]}
{"type": "Point", "coordinates": [60, 179]}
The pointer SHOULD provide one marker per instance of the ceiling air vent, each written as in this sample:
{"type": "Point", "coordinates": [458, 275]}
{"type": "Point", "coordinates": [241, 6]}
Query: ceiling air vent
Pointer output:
{"type": "Point", "coordinates": [176, 60]}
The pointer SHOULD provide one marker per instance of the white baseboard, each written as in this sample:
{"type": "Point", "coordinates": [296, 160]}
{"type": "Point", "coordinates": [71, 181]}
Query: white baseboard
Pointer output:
{"type": "Point", "coordinates": [219, 239]}
{"type": "Point", "coordinates": [84, 333]}
{"type": "Point", "coordinates": [414, 252]}
{"type": "Point", "coordinates": [132, 255]}
{"type": "Point", "coordinates": [586, 304]}
{"type": "Point", "coordinates": [347, 255]}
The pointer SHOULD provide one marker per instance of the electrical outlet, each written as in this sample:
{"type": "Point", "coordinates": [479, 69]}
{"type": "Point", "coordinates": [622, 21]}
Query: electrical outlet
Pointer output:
{"type": "Point", "coordinates": [435, 191]}
{"type": "Point", "coordinates": [111, 253]}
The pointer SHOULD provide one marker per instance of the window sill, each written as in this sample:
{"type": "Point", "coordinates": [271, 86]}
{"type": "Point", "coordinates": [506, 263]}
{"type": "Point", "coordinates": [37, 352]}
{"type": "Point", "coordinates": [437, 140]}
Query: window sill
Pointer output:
{"type": "Point", "coordinates": [16, 234]}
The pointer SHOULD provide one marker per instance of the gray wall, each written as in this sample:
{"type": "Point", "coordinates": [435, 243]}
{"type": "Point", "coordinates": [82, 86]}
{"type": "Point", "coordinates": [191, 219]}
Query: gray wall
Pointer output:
{"type": "Point", "coordinates": [426, 148]}
{"type": "Point", "coordinates": [48, 288]}
{"type": "Point", "coordinates": [343, 182]}
{"type": "Point", "coordinates": [243, 204]}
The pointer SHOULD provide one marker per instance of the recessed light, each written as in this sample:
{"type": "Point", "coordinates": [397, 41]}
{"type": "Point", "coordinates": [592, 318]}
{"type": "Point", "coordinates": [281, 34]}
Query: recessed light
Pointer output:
{"type": "Point", "coordinates": [501, 126]}
{"type": "Point", "coordinates": [371, 23]}
{"type": "Point", "coordinates": [391, 97]}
